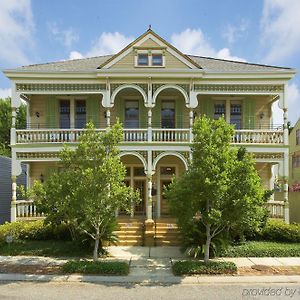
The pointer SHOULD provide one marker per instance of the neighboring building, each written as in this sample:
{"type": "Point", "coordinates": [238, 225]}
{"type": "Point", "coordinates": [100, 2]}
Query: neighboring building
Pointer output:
{"type": "Point", "coordinates": [294, 167]}
{"type": "Point", "coordinates": [5, 187]}
{"type": "Point", "coordinates": [156, 91]}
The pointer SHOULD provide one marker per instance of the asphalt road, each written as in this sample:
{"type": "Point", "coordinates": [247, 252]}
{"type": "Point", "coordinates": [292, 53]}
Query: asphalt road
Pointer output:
{"type": "Point", "coordinates": [73, 291]}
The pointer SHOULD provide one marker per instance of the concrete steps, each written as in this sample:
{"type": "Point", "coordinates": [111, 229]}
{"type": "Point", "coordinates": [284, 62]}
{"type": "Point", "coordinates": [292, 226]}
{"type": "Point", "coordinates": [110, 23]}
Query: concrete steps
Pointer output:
{"type": "Point", "coordinates": [167, 233]}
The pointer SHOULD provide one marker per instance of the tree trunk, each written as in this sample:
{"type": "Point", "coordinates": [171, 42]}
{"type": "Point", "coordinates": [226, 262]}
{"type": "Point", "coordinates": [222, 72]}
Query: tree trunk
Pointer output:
{"type": "Point", "coordinates": [96, 247]}
{"type": "Point", "coordinates": [207, 244]}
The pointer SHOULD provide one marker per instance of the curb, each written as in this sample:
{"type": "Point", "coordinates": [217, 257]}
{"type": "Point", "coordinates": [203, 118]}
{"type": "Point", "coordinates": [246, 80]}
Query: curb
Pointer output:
{"type": "Point", "coordinates": [151, 279]}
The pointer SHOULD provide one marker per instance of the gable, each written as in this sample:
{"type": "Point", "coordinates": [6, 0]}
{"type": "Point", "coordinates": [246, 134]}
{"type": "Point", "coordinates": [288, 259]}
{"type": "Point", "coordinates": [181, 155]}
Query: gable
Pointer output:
{"type": "Point", "coordinates": [150, 43]}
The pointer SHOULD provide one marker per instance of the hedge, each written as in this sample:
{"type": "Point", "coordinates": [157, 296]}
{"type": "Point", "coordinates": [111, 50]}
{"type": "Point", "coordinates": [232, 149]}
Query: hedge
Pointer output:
{"type": "Point", "coordinates": [190, 267]}
{"type": "Point", "coordinates": [99, 267]}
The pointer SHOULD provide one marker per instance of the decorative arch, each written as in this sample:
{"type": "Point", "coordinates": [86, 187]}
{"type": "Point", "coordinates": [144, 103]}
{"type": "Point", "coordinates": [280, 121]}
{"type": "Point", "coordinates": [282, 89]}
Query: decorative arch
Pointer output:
{"type": "Point", "coordinates": [138, 155]}
{"type": "Point", "coordinates": [130, 86]}
{"type": "Point", "coordinates": [170, 86]}
{"type": "Point", "coordinates": [163, 154]}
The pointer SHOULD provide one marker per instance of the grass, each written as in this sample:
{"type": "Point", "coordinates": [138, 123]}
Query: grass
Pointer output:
{"type": "Point", "coordinates": [262, 249]}
{"type": "Point", "coordinates": [99, 267]}
{"type": "Point", "coordinates": [190, 267]}
{"type": "Point", "coordinates": [52, 248]}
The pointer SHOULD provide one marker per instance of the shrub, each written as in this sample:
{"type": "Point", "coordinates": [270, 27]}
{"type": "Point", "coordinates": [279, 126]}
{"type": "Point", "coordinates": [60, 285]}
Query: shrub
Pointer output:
{"type": "Point", "coordinates": [281, 232]}
{"type": "Point", "coordinates": [199, 267]}
{"type": "Point", "coordinates": [262, 249]}
{"type": "Point", "coordinates": [99, 267]}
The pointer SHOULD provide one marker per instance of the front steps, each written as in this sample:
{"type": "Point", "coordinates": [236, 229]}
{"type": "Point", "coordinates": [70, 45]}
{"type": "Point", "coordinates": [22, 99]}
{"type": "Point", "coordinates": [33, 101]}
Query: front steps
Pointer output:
{"type": "Point", "coordinates": [131, 232]}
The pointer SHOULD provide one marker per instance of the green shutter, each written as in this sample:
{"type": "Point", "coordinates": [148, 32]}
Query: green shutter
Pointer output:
{"type": "Point", "coordinates": [156, 114]}
{"type": "Point", "coordinates": [93, 111]}
{"type": "Point", "coordinates": [143, 115]}
{"type": "Point", "coordinates": [120, 110]}
{"type": "Point", "coordinates": [52, 112]}
{"type": "Point", "coordinates": [207, 107]}
{"type": "Point", "coordinates": [248, 111]}
{"type": "Point", "coordinates": [179, 113]}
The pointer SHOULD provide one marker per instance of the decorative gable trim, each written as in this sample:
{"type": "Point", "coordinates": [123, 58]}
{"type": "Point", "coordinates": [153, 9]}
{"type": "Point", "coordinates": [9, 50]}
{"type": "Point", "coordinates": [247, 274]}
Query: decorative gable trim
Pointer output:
{"type": "Point", "coordinates": [157, 39]}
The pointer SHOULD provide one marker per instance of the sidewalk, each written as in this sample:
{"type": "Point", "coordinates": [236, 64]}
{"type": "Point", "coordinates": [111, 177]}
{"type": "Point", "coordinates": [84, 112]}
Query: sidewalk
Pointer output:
{"type": "Point", "coordinates": [150, 266]}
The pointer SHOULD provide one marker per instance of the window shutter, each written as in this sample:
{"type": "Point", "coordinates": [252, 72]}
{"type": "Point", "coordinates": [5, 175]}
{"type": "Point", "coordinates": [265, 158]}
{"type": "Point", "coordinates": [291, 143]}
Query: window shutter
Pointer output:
{"type": "Point", "coordinates": [179, 108]}
{"type": "Point", "coordinates": [93, 111]}
{"type": "Point", "coordinates": [156, 114]}
{"type": "Point", "coordinates": [120, 110]}
{"type": "Point", "coordinates": [143, 115]}
{"type": "Point", "coordinates": [52, 112]}
{"type": "Point", "coordinates": [248, 111]}
{"type": "Point", "coordinates": [207, 107]}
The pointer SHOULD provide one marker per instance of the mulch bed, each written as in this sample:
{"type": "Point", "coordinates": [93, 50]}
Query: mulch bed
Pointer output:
{"type": "Point", "coordinates": [257, 270]}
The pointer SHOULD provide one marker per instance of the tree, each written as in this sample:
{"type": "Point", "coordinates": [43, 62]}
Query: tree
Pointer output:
{"type": "Point", "coordinates": [221, 188]}
{"type": "Point", "coordinates": [90, 187]}
{"type": "Point", "coordinates": [5, 123]}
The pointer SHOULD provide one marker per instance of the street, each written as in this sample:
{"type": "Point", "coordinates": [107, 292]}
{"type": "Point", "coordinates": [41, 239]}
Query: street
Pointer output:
{"type": "Point", "coordinates": [62, 290]}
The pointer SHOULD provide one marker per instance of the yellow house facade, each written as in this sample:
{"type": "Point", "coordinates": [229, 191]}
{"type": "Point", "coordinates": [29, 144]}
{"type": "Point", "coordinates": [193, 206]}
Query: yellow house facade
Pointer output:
{"type": "Point", "coordinates": [156, 92]}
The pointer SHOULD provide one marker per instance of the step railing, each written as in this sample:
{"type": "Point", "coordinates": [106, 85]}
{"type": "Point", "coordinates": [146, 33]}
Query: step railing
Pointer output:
{"type": "Point", "coordinates": [275, 209]}
{"type": "Point", "coordinates": [27, 209]}
{"type": "Point", "coordinates": [169, 135]}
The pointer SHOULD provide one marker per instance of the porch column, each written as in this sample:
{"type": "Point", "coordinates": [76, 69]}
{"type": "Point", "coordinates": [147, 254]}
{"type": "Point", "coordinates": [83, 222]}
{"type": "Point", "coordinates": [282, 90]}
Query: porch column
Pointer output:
{"type": "Point", "coordinates": [108, 117]}
{"type": "Point", "coordinates": [150, 124]}
{"type": "Point", "coordinates": [286, 187]}
{"type": "Point", "coordinates": [13, 206]}
{"type": "Point", "coordinates": [191, 117]}
{"type": "Point", "coordinates": [285, 127]}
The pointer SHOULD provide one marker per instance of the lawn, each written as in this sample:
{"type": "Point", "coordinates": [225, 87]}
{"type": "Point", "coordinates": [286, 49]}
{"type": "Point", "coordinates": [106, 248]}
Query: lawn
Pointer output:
{"type": "Point", "coordinates": [262, 249]}
{"type": "Point", "coordinates": [51, 248]}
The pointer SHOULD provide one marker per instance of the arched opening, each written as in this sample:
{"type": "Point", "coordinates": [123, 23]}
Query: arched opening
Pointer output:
{"type": "Point", "coordinates": [167, 165]}
{"type": "Point", "coordinates": [136, 169]}
{"type": "Point", "coordinates": [170, 110]}
{"type": "Point", "coordinates": [129, 106]}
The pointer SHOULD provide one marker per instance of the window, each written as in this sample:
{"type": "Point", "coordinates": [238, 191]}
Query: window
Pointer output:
{"type": "Point", "coordinates": [143, 60]}
{"type": "Point", "coordinates": [168, 114]}
{"type": "Point", "coordinates": [157, 60]}
{"type": "Point", "coordinates": [131, 114]}
{"type": "Point", "coordinates": [64, 113]}
{"type": "Point", "coordinates": [298, 137]}
{"type": "Point", "coordinates": [80, 113]}
{"type": "Point", "coordinates": [296, 161]}
{"type": "Point", "coordinates": [220, 110]}
{"type": "Point", "coordinates": [236, 115]}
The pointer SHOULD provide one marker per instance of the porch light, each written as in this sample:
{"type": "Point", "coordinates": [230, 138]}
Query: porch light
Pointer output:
{"type": "Point", "coordinates": [37, 114]}
{"type": "Point", "coordinates": [261, 115]}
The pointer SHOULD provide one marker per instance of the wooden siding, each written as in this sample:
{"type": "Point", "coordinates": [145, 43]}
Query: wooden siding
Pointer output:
{"type": "Point", "coordinates": [149, 43]}
{"type": "Point", "coordinates": [38, 168]}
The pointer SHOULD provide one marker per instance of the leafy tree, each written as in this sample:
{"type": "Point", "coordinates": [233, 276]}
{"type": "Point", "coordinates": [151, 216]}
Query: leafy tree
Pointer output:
{"type": "Point", "coordinates": [5, 123]}
{"type": "Point", "coordinates": [221, 188]}
{"type": "Point", "coordinates": [90, 187]}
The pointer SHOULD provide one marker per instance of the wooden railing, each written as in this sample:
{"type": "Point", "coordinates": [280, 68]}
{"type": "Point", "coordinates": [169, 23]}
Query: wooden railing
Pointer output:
{"type": "Point", "coordinates": [276, 209]}
{"type": "Point", "coordinates": [27, 209]}
{"type": "Point", "coordinates": [257, 136]}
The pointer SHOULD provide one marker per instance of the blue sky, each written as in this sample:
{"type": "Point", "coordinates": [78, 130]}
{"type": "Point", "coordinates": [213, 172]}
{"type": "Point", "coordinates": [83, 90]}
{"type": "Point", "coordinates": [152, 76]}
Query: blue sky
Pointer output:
{"type": "Point", "coordinates": [258, 31]}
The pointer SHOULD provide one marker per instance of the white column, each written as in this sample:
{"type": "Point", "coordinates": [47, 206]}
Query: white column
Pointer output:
{"type": "Point", "coordinates": [108, 117]}
{"type": "Point", "coordinates": [227, 111]}
{"type": "Point", "coordinates": [13, 207]}
{"type": "Point", "coordinates": [191, 117]}
{"type": "Point", "coordinates": [149, 125]}
{"type": "Point", "coordinates": [285, 127]}
{"type": "Point", "coordinates": [132, 185]}
{"type": "Point", "coordinates": [149, 186]}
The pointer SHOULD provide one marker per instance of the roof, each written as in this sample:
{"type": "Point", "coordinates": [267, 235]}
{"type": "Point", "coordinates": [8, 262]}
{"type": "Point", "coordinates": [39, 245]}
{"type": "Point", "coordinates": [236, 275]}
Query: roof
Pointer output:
{"type": "Point", "coordinates": [208, 64]}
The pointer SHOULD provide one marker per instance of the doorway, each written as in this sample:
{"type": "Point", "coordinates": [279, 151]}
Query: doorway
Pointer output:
{"type": "Point", "coordinates": [164, 205]}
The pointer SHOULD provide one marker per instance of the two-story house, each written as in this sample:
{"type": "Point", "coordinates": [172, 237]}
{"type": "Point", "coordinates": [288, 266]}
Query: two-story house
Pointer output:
{"type": "Point", "coordinates": [156, 91]}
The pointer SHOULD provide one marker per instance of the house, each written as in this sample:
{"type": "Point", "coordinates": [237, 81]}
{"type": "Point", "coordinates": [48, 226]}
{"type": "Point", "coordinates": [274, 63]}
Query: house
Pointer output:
{"type": "Point", "coordinates": [5, 187]}
{"type": "Point", "coordinates": [156, 91]}
{"type": "Point", "coordinates": [294, 174]}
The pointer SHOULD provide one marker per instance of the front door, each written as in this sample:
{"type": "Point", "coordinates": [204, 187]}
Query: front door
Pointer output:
{"type": "Point", "coordinates": [164, 205]}
{"type": "Point", "coordinates": [140, 185]}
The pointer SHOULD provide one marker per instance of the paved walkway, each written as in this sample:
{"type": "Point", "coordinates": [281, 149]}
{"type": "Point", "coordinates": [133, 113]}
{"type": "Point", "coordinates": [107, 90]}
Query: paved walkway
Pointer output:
{"type": "Point", "coordinates": [151, 265]}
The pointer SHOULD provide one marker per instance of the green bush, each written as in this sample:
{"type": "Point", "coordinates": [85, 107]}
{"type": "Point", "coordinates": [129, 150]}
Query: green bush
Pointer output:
{"type": "Point", "coordinates": [198, 267]}
{"type": "Point", "coordinates": [281, 232]}
{"type": "Point", "coordinates": [35, 230]}
{"type": "Point", "coordinates": [99, 267]}
{"type": "Point", "coordinates": [262, 249]}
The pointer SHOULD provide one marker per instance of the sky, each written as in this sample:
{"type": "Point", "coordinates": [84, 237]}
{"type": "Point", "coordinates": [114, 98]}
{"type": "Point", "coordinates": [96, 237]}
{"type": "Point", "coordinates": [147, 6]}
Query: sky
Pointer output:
{"type": "Point", "coordinates": [259, 31]}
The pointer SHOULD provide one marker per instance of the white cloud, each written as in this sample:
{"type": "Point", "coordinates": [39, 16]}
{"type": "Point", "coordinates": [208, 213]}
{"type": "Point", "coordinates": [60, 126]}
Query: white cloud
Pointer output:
{"type": "Point", "coordinates": [293, 97]}
{"type": "Point", "coordinates": [234, 32]}
{"type": "Point", "coordinates": [193, 41]}
{"type": "Point", "coordinates": [280, 24]}
{"type": "Point", "coordinates": [4, 93]}
{"type": "Point", "coordinates": [16, 28]}
{"type": "Point", "coordinates": [66, 36]}
{"type": "Point", "coordinates": [107, 43]}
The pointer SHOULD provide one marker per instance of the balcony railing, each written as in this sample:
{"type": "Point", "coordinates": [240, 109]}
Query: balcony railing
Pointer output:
{"type": "Point", "coordinates": [255, 136]}
{"type": "Point", "coordinates": [275, 209]}
{"type": "Point", "coordinates": [26, 209]}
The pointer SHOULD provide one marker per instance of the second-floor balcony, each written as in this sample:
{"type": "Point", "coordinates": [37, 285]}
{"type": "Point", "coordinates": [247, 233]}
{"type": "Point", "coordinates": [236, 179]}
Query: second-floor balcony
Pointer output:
{"type": "Point", "coordinates": [147, 135]}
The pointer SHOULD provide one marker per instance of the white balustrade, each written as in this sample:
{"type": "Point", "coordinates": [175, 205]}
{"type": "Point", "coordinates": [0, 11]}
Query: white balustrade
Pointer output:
{"type": "Point", "coordinates": [275, 209]}
{"type": "Point", "coordinates": [135, 135]}
{"type": "Point", "coordinates": [171, 135]}
{"type": "Point", "coordinates": [27, 209]}
{"type": "Point", "coordinates": [258, 136]}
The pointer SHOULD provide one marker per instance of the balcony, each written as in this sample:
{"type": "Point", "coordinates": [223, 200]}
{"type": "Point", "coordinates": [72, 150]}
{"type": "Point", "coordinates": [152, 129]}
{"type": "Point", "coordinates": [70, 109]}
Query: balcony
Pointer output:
{"type": "Point", "coordinates": [150, 135]}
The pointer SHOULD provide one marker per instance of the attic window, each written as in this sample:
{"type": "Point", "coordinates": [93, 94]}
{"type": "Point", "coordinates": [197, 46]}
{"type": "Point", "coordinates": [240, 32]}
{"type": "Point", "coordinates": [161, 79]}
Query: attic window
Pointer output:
{"type": "Point", "coordinates": [157, 60]}
{"type": "Point", "coordinates": [143, 60]}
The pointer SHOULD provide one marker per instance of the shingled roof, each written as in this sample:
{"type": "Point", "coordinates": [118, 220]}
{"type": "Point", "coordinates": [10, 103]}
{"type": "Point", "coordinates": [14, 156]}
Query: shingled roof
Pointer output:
{"type": "Point", "coordinates": [208, 64]}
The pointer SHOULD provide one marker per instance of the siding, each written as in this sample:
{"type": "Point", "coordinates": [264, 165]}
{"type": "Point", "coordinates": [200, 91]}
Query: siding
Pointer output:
{"type": "Point", "coordinates": [38, 168]}
{"type": "Point", "coordinates": [5, 187]}
{"type": "Point", "coordinates": [149, 43]}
